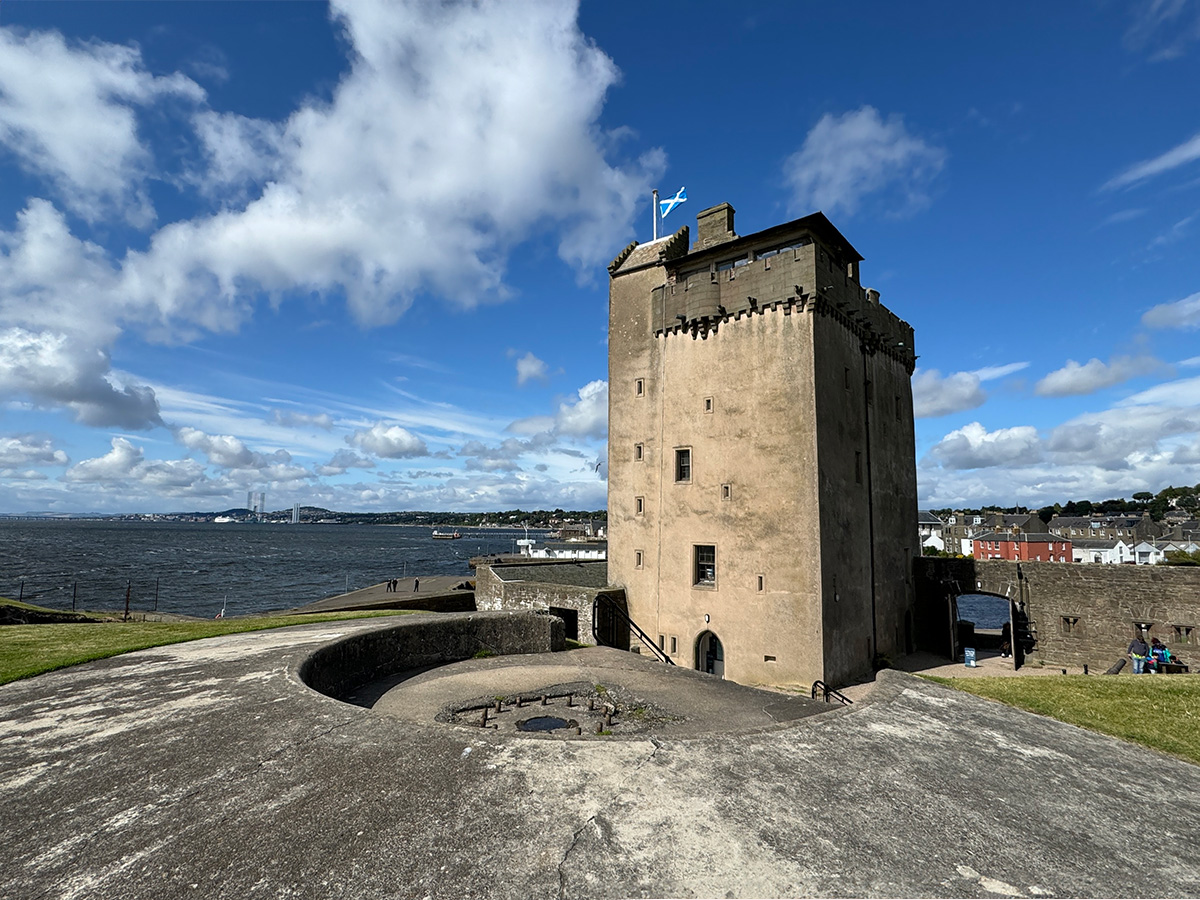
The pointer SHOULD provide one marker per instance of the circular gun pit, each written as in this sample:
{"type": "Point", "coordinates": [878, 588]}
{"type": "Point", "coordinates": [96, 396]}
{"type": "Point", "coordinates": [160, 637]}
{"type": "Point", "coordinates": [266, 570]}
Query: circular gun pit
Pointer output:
{"type": "Point", "coordinates": [597, 692]}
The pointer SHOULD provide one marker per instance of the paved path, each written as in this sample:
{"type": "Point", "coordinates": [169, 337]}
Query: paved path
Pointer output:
{"type": "Point", "coordinates": [429, 588]}
{"type": "Point", "coordinates": [207, 770]}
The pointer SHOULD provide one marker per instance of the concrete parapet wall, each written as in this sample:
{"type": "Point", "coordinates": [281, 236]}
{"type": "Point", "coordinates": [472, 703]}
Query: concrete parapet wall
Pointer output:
{"type": "Point", "coordinates": [337, 668]}
{"type": "Point", "coordinates": [1102, 604]}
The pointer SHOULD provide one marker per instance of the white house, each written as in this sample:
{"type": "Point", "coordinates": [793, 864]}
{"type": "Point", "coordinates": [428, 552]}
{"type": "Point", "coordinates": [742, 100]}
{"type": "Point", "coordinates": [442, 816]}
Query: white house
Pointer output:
{"type": "Point", "coordinates": [1103, 551]}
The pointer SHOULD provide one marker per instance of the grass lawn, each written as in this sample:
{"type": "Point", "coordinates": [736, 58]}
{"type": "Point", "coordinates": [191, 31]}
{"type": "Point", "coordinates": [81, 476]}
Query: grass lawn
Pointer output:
{"type": "Point", "coordinates": [27, 650]}
{"type": "Point", "coordinates": [1159, 711]}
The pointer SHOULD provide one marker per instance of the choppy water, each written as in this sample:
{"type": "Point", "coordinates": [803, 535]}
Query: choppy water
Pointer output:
{"type": "Point", "coordinates": [985, 610]}
{"type": "Point", "coordinates": [196, 566]}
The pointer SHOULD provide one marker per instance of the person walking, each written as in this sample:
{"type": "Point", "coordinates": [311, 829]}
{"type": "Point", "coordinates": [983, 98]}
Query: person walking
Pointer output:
{"type": "Point", "coordinates": [1138, 651]}
{"type": "Point", "coordinates": [416, 583]}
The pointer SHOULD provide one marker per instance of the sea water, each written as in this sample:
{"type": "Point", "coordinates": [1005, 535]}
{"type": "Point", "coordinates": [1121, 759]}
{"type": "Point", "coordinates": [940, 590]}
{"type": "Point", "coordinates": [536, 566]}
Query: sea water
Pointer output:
{"type": "Point", "coordinates": [195, 568]}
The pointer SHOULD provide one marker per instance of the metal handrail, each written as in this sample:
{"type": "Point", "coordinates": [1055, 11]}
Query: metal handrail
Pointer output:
{"type": "Point", "coordinates": [633, 626]}
{"type": "Point", "coordinates": [826, 692]}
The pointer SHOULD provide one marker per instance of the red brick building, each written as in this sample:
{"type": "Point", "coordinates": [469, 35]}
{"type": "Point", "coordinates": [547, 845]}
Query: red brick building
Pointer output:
{"type": "Point", "coordinates": [1022, 547]}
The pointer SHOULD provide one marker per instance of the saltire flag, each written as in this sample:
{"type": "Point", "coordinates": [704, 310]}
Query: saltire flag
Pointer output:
{"type": "Point", "coordinates": [667, 205]}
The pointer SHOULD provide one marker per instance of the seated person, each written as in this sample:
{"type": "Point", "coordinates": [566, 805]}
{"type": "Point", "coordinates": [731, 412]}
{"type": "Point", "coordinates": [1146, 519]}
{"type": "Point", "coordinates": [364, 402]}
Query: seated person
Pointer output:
{"type": "Point", "coordinates": [1159, 655]}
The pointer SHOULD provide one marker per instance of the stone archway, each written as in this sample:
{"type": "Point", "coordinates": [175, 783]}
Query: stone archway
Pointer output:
{"type": "Point", "coordinates": [710, 654]}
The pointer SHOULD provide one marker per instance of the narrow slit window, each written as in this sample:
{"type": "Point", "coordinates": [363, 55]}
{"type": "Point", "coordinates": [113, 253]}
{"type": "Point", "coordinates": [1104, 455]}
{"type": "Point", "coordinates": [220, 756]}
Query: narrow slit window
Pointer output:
{"type": "Point", "coordinates": [761, 583]}
{"type": "Point", "coordinates": [639, 505]}
{"type": "Point", "coordinates": [708, 404]}
{"type": "Point", "coordinates": [639, 387]}
{"type": "Point", "coordinates": [858, 467]}
{"type": "Point", "coordinates": [637, 559]}
{"type": "Point", "coordinates": [638, 452]}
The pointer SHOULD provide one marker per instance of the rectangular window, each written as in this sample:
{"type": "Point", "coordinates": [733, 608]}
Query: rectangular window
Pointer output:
{"type": "Point", "coordinates": [1183, 634]}
{"type": "Point", "coordinates": [846, 378]}
{"type": "Point", "coordinates": [768, 659]}
{"type": "Point", "coordinates": [662, 642]}
{"type": "Point", "coordinates": [870, 393]}
{"type": "Point", "coordinates": [639, 505]}
{"type": "Point", "coordinates": [708, 404]}
{"type": "Point", "coordinates": [638, 452]}
{"type": "Point", "coordinates": [705, 568]}
{"type": "Point", "coordinates": [639, 387]}
{"type": "Point", "coordinates": [726, 491]}
{"type": "Point", "coordinates": [674, 645]}
{"type": "Point", "coordinates": [637, 559]}
{"type": "Point", "coordinates": [683, 464]}
{"type": "Point", "coordinates": [761, 582]}
{"type": "Point", "coordinates": [1069, 624]}
{"type": "Point", "coordinates": [858, 467]}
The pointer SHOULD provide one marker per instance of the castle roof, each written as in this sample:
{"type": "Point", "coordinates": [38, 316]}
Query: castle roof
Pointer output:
{"type": "Point", "coordinates": [815, 223]}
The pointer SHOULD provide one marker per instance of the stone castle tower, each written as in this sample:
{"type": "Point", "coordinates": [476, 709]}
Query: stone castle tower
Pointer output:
{"type": "Point", "coordinates": [762, 485]}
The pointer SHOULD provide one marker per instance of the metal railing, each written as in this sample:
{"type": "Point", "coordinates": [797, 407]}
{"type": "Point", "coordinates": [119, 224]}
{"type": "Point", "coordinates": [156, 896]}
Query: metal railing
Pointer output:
{"type": "Point", "coordinates": [826, 692]}
{"type": "Point", "coordinates": [619, 611]}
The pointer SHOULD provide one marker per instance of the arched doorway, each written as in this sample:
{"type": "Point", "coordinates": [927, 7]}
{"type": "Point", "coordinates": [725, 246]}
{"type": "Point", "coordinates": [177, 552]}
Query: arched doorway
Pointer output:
{"type": "Point", "coordinates": [991, 623]}
{"type": "Point", "coordinates": [710, 655]}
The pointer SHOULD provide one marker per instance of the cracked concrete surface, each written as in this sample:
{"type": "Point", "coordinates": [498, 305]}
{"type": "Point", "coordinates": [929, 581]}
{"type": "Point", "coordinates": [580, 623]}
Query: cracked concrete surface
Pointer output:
{"type": "Point", "coordinates": [207, 769]}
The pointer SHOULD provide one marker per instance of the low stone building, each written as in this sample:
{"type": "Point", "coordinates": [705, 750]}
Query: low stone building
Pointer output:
{"type": "Point", "coordinates": [566, 590]}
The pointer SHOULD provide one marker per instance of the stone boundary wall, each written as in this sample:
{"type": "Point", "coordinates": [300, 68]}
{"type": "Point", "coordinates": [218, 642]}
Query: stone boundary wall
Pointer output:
{"type": "Point", "coordinates": [493, 593]}
{"type": "Point", "coordinates": [338, 668]}
{"type": "Point", "coordinates": [1105, 602]}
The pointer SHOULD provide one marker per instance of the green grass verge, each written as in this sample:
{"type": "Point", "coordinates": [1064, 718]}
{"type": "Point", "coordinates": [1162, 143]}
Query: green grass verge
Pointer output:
{"type": "Point", "coordinates": [1159, 711]}
{"type": "Point", "coordinates": [27, 650]}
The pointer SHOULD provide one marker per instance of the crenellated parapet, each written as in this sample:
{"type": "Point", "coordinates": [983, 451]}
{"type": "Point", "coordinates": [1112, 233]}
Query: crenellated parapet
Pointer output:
{"type": "Point", "coordinates": [799, 275]}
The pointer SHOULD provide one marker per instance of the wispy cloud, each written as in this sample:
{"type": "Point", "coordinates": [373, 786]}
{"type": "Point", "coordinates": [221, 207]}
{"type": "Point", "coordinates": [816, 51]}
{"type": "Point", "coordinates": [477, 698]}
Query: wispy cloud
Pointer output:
{"type": "Point", "coordinates": [845, 158]}
{"type": "Point", "coordinates": [1181, 155]}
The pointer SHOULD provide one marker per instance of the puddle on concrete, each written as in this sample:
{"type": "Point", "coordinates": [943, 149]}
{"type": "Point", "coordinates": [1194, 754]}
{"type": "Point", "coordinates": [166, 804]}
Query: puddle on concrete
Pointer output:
{"type": "Point", "coordinates": [546, 723]}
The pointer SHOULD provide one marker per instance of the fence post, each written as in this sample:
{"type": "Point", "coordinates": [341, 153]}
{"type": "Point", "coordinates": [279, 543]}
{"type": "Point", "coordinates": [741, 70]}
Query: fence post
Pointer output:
{"type": "Point", "coordinates": [156, 595]}
{"type": "Point", "coordinates": [128, 591]}
{"type": "Point", "coordinates": [22, 594]}
{"type": "Point", "coordinates": [74, 594]}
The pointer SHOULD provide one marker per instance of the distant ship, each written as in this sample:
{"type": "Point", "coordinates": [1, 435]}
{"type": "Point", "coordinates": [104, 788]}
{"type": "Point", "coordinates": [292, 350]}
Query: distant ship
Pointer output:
{"type": "Point", "coordinates": [445, 535]}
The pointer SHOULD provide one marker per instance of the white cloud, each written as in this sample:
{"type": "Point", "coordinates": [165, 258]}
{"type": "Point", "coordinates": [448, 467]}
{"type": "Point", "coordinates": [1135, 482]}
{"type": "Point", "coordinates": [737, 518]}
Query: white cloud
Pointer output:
{"type": "Point", "coordinates": [28, 449]}
{"type": "Point", "coordinates": [530, 367]}
{"type": "Point", "coordinates": [388, 441]}
{"type": "Point", "coordinates": [1073, 378]}
{"type": "Point", "coordinates": [126, 463]}
{"type": "Point", "coordinates": [456, 133]}
{"type": "Point", "coordinates": [230, 452]}
{"type": "Point", "coordinates": [974, 447]}
{"type": "Point", "coordinates": [845, 158]}
{"type": "Point", "coordinates": [1181, 155]}
{"type": "Point", "coordinates": [344, 460]}
{"type": "Point", "coordinates": [586, 416]}
{"type": "Point", "coordinates": [934, 395]}
{"type": "Point", "coordinates": [52, 369]}
{"type": "Point", "coordinates": [67, 113]}
{"type": "Point", "coordinates": [1183, 313]}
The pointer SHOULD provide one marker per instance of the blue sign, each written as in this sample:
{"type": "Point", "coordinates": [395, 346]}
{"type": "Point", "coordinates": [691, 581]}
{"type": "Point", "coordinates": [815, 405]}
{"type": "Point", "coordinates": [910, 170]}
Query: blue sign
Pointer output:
{"type": "Point", "coordinates": [969, 656]}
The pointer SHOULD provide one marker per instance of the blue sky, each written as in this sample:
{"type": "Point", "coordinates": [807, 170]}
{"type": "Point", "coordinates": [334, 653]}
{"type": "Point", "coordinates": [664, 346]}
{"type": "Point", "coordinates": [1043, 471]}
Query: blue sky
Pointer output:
{"type": "Point", "coordinates": [353, 255]}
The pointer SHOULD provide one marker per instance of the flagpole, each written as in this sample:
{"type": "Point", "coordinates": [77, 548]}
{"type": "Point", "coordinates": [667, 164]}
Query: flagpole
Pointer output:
{"type": "Point", "coordinates": [654, 212]}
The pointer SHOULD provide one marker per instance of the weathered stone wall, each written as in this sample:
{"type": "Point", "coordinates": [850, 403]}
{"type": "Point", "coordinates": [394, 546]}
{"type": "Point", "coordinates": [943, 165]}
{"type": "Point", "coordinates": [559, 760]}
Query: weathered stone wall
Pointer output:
{"type": "Point", "coordinates": [336, 669]}
{"type": "Point", "coordinates": [1105, 602]}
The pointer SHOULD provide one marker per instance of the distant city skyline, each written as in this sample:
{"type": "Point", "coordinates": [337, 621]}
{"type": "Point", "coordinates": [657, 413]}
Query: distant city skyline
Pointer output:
{"type": "Point", "coordinates": [354, 255]}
